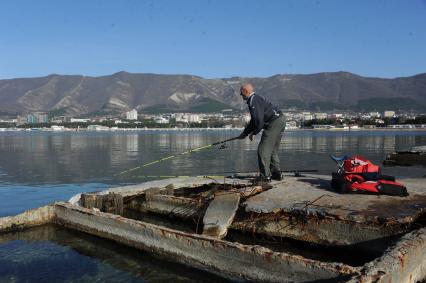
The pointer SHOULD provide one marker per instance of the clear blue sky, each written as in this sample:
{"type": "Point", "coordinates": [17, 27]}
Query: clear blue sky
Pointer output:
{"type": "Point", "coordinates": [212, 38]}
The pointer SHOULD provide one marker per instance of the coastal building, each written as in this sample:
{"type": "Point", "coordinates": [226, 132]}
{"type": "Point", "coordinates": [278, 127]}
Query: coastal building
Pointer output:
{"type": "Point", "coordinates": [97, 128]}
{"type": "Point", "coordinates": [320, 116]}
{"type": "Point", "coordinates": [375, 114]}
{"type": "Point", "coordinates": [182, 118]}
{"type": "Point", "coordinates": [389, 114]}
{"type": "Point", "coordinates": [307, 116]}
{"type": "Point", "coordinates": [61, 119]}
{"type": "Point", "coordinates": [57, 128]}
{"type": "Point", "coordinates": [12, 121]}
{"type": "Point", "coordinates": [37, 117]}
{"type": "Point", "coordinates": [132, 115]}
{"type": "Point", "coordinates": [291, 125]}
{"type": "Point", "coordinates": [79, 120]}
{"type": "Point", "coordinates": [246, 117]}
{"type": "Point", "coordinates": [161, 120]}
{"type": "Point", "coordinates": [336, 116]}
{"type": "Point", "coordinates": [194, 118]}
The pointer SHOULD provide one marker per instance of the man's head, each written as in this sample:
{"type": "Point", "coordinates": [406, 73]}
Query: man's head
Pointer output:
{"type": "Point", "coordinates": [246, 90]}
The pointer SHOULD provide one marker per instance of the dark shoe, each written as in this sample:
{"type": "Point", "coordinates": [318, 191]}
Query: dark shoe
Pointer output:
{"type": "Point", "coordinates": [261, 180]}
{"type": "Point", "coordinates": [277, 177]}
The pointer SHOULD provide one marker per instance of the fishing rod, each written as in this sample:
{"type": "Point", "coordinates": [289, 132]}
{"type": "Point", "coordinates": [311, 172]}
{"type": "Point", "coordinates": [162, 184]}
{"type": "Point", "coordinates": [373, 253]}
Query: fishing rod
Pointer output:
{"type": "Point", "coordinates": [282, 171]}
{"type": "Point", "coordinates": [180, 176]}
{"type": "Point", "coordinates": [223, 174]}
{"type": "Point", "coordinates": [175, 155]}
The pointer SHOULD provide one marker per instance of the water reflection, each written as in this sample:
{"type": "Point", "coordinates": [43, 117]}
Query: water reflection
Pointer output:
{"type": "Point", "coordinates": [40, 158]}
{"type": "Point", "coordinates": [55, 254]}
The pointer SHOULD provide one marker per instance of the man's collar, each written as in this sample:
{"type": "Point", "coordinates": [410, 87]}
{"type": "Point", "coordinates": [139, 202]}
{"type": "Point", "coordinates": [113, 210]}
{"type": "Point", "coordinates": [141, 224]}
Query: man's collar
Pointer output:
{"type": "Point", "coordinates": [250, 96]}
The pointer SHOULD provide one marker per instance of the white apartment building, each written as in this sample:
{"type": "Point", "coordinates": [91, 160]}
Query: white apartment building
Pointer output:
{"type": "Point", "coordinates": [389, 114]}
{"type": "Point", "coordinates": [307, 116]}
{"type": "Point", "coordinates": [79, 120]}
{"type": "Point", "coordinates": [320, 116]}
{"type": "Point", "coordinates": [193, 118]}
{"type": "Point", "coordinates": [132, 115]}
{"type": "Point", "coordinates": [161, 120]}
{"type": "Point", "coordinates": [375, 114]}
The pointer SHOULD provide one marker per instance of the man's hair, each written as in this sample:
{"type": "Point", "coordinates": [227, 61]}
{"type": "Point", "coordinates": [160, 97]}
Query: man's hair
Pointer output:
{"type": "Point", "coordinates": [247, 86]}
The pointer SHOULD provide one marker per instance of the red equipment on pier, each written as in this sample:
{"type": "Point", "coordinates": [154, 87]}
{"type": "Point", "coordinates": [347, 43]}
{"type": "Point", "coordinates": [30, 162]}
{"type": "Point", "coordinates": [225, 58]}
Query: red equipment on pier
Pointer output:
{"type": "Point", "coordinates": [358, 174]}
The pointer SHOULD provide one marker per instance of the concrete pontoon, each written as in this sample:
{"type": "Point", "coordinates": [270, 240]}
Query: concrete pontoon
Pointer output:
{"type": "Point", "coordinates": [414, 156]}
{"type": "Point", "coordinates": [301, 209]}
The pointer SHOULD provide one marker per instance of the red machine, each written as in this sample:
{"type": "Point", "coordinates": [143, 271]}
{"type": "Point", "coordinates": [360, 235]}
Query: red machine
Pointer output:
{"type": "Point", "coordinates": [357, 174]}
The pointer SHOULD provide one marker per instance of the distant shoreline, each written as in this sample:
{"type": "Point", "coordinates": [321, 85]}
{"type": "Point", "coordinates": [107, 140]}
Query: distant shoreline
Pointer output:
{"type": "Point", "coordinates": [72, 130]}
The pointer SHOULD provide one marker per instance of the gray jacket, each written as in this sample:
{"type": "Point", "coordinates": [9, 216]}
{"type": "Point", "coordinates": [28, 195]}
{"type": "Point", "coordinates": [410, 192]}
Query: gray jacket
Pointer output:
{"type": "Point", "coordinates": [262, 112]}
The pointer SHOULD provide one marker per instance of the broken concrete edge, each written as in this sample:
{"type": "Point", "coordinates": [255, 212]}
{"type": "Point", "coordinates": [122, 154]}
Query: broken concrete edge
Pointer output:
{"type": "Point", "coordinates": [130, 190]}
{"type": "Point", "coordinates": [237, 260]}
{"type": "Point", "coordinates": [306, 212]}
{"type": "Point", "coordinates": [30, 218]}
{"type": "Point", "coordinates": [234, 260]}
{"type": "Point", "coordinates": [327, 233]}
{"type": "Point", "coordinates": [403, 262]}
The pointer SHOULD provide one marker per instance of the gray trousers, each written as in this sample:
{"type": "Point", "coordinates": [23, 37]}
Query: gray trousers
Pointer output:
{"type": "Point", "coordinates": [267, 152]}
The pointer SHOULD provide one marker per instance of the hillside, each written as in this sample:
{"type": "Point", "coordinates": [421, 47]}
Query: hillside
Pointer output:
{"type": "Point", "coordinates": [83, 95]}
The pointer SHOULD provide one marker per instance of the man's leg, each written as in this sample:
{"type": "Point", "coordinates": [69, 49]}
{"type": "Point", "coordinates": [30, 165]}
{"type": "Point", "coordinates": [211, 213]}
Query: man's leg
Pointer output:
{"type": "Point", "coordinates": [267, 144]}
{"type": "Point", "coordinates": [264, 152]}
{"type": "Point", "coordinates": [275, 159]}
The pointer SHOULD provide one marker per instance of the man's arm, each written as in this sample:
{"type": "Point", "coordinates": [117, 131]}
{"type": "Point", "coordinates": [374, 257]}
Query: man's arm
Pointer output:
{"type": "Point", "coordinates": [256, 121]}
{"type": "Point", "coordinates": [248, 129]}
{"type": "Point", "coordinates": [257, 114]}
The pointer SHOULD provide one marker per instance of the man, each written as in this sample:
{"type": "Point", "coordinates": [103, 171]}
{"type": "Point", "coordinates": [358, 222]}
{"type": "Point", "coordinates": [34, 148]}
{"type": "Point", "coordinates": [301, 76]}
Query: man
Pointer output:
{"type": "Point", "coordinates": [268, 117]}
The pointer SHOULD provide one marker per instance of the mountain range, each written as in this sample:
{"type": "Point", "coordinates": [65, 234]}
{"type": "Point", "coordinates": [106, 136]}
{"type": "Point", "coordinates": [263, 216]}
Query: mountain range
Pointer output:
{"type": "Point", "coordinates": [79, 95]}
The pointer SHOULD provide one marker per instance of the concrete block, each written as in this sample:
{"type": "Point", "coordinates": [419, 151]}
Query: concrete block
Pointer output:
{"type": "Point", "coordinates": [220, 214]}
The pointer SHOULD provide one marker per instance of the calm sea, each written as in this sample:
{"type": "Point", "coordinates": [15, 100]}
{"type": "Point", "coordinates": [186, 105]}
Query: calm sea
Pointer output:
{"type": "Point", "coordinates": [37, 168]}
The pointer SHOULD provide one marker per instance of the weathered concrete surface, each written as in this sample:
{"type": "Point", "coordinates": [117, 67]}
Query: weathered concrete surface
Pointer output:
{"type": "Point", "coordinates": [29, 218]}
{"type": "Point", "coordinates": [231, 259]}
{"type": "Point", "coordinates": [311, 195]}
{"type": "Point", "coordinates": [405, 262]}
{"type": "Point", "coordinates": [305, 208]}
{"type": "Point", "coordinates": [220, 214]}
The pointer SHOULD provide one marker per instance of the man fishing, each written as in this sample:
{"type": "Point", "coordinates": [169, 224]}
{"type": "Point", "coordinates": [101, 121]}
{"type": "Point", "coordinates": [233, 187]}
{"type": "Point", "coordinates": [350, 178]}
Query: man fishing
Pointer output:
{"type": "Point", "coordinates": [266, 116]}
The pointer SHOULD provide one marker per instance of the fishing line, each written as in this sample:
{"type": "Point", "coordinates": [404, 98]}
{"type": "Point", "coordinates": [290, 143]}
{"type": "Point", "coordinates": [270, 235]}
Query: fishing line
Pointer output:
{"type": "Point", "coordinates": [174, 155]}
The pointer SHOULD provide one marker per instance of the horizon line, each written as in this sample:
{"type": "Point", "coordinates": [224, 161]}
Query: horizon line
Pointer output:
{"type": "Point", "coordinates": [208, 78]}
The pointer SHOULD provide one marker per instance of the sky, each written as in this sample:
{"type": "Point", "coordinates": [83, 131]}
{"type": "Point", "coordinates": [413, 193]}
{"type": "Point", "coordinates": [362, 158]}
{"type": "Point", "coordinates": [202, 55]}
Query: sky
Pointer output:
{"type": "Point", "coordinates": [212, 39]}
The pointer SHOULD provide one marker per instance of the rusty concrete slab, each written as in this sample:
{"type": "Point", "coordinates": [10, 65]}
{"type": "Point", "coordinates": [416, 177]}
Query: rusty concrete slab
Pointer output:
{"type": "Point", "coordinates": [230, 259]}
{"type": "Point", "coordinates": [404, 262]}
{"type": "Point", "coordinates": [311, 195]}
{"type": "Point", "coordinates": [220, 213]}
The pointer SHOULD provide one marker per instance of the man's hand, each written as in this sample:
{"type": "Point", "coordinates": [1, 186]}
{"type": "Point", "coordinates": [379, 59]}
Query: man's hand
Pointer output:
{"type": "Point", "coordinates": [242, 136]}
{"type": "Point", "coordinates": [251, 137]}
